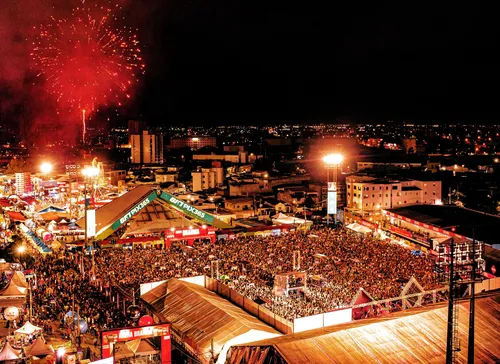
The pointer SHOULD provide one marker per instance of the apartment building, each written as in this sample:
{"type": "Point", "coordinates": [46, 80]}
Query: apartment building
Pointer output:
{"type": "Point", "coordinates": [371, 193]}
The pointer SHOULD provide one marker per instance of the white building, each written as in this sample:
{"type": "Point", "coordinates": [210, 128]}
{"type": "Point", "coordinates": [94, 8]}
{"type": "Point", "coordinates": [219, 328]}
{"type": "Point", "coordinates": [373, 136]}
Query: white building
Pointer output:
{"type": "Point", "coordinates": [144, 148]}
{"type": "Point", "coordinates": [371, 194]}
{"type": "Point", "coordinates": [23, 183]}
{"type": "Point", "coordinates": [205, 178]}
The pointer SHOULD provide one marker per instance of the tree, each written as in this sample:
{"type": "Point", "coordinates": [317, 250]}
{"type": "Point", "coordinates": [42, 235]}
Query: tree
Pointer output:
{"type": "Point", "coordinates": [17, 165]}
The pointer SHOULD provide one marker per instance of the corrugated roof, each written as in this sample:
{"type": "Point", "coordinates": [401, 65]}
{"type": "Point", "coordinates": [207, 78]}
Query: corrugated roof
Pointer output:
{"type": "Point", "coordinates": [200, 315]}
{"type": "Point", "coordinates": [412, 336]}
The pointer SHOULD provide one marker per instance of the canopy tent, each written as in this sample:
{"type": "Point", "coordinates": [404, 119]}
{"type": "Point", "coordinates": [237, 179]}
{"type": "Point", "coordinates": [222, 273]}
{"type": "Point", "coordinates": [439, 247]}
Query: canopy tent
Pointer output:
{"type": "Point", "coordinates": [51, 208]}
{"type": "Point", "coordinates": [122, 351]}
{"type": "Point", "coordinates": [27, 329]}
{"type": "Point", "coordinates": [39, 348]}
{"type": "Point", "coordinates": [8, 353]}
{"type": "Point", "coordinates": [359, 228]}
{"type": "Point", "coordinates": [16, 216]}
{"type": "Point", "coordinates": [141, 347]}
{"type": "Point", "coordinates": [50, 216]}
{"type": "Point", "coordinates": [282, 219]}
{"type": "Point", "coordinates": [19, 280]}
{"type": "Point", "coordinates": [13, 291]}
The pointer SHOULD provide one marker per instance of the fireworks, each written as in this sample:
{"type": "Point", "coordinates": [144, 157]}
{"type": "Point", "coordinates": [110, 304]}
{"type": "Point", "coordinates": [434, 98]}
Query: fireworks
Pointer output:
{"type": "Point", "coordinates": [86, 61]}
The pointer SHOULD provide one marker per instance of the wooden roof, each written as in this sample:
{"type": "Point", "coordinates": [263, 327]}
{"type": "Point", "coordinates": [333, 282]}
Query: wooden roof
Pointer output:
{"type": "Point", "coordinates": [412, 336]}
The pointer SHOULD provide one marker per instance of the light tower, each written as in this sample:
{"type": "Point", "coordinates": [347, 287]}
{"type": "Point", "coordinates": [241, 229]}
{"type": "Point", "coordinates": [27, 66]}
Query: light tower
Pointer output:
{"type": "Point", "coordinates": [332, 162]}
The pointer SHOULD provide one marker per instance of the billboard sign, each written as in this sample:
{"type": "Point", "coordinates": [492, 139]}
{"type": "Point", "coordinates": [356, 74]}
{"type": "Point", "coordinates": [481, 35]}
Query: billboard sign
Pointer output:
{"type": "Point", "coordinates": [90, 223]}
{"type": "Point", "coordinates": [143, 203]}
{"type": "Point", "coordinates": [331, 203]}
{"type": "Point", "coordinates": [187, 208]}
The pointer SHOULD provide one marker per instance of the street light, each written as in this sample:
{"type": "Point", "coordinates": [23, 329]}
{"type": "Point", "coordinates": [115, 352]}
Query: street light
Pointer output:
{"type": "Point", "coordinates": [332, 162]}
{"type": "Point", "coordinates": [88, 173]}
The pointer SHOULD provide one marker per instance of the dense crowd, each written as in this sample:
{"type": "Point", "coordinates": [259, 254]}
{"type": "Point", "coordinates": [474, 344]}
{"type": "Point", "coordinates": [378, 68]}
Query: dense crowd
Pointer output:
{"type": "Point", "coordinates": [62, 289]}
{"type": "Point", "coordinates": [347, 262]}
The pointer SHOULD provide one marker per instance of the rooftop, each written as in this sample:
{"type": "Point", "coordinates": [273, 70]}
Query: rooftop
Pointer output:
{"type": "Point", "coordinates": [464, 220]}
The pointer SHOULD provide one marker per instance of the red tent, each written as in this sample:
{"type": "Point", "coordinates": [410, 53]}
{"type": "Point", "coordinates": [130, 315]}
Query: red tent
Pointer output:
{"type": "Point", "coordinates": [16, 216]}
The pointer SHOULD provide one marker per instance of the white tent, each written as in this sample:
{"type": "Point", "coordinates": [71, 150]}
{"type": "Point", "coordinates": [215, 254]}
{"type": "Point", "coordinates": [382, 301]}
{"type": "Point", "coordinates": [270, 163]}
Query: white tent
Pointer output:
{"type": "Point", "coordinates": [359, 228]}
{"type": "Point", "coordinates": [288, 220]}
{"type": "Point", "coordinates": [27, 329]}
{"type": "Point", "coordinates": [8, 353]}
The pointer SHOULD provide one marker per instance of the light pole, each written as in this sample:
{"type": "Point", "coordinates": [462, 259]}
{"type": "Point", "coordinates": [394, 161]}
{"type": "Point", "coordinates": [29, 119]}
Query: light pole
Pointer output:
{"type": "Point", "coordinates": [88, 173]}
{"type": "Point", "coordinates": [46, 168]}
{"type": "Point", "coordinates": [332, 162]}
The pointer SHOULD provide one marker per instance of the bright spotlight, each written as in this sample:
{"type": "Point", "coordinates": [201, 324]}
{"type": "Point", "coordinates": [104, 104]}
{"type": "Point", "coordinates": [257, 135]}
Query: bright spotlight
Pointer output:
{"type": "Point", "coordinates": [46, 167]}
{"type": "Point", "coordinates": [333, 159]}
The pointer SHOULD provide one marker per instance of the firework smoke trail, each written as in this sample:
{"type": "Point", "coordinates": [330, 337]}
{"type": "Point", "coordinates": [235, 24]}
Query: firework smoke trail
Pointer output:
{"type": "Point", "coordinates": [86, 61]}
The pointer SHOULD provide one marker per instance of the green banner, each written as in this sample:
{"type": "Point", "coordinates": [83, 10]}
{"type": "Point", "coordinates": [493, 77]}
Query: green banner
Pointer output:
{"type": "Point", "coordinates": [143, 203]}
{"type": "Point", "coordinates": [187, 208]}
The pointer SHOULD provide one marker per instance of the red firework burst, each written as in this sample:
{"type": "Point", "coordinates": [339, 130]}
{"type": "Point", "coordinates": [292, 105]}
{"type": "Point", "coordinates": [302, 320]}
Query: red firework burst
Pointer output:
{"type": "Point", "coordinates": [86, 61]}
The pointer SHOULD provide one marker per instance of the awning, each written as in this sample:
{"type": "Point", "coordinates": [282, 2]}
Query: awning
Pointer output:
{"type": "Point", "coordinates": [359, 228]}
{"type": "Point", "coordinates": [16, 216]}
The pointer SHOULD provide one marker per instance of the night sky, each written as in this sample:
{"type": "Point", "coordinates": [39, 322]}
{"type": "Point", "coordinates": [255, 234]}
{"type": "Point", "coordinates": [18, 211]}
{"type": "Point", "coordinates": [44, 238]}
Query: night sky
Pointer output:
{"type": "Point", "coordinates": [256, 62]}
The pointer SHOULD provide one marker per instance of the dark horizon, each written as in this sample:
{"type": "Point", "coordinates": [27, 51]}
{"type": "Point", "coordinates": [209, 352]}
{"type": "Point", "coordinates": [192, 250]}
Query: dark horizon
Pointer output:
{"type": "Point", "coordinates": [266, 63]}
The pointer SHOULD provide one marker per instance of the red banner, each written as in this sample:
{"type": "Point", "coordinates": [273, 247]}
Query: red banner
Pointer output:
{"type": "Point", "coordinates": [401, 232]}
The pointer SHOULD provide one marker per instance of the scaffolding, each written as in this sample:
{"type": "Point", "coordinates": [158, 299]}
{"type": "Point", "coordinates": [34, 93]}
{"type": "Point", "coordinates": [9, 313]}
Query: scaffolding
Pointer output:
{"type": "Point", "coordinates": [459, 264]}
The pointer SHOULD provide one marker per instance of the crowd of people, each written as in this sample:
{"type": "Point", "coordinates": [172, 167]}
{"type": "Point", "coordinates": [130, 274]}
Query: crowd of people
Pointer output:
{"type": "Point", "coordinates": [63, 293]}
{"type": "Point", "coordinates": [343, 261]}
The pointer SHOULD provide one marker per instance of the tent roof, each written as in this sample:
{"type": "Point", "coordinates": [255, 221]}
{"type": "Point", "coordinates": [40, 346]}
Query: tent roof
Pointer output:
{"type": "Point", "coordinates": [51, 208]}
{"type": "Point", "coordinates": [12, 290]}
{"type": "Point", "coordinates": [221, 320]}
{"type": "Point", "coordinates": [359, 228]}
{"type": "Point", "coordinates": [8, 353]}
{"type": "Point", "coordinates": [28, 328]}
{"type": "Point", "coordinates": [48, 216]}
{"type": "Point", "coordinates": [16, 216]}
{"type": "Point", "coordinates": [39, 348]}
{"type": "Point", "coordinates": [122, 351]}
{"type": "Point", "coordinates": [411, 336]}
{"type": "Point", "coordinates": [141, 347]}
{"type": "Point", "coordinates": [19, 280]}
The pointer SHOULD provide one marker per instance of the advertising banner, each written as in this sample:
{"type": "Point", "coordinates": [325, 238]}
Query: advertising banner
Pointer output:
{"type": "Point", "coordinates": [331, 203]}
{"type": "Point", "coordinates": [187, 208]}
{"type": "Point", "coordinates": [90, 223]}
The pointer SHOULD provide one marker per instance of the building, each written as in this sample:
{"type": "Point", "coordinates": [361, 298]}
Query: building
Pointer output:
{"type": "Point", "coordinates": [144, 148]}
{"type": "Point", "coordinates": [166, 177]}
{"type": "Point", "coordinates": [135, 127]}
{"type": "Point", "coordinates": [206, 178]}
{"type": "Point", "coordinates": [239, 204]}
{"type": "Point", "coordinates": [371, 193]}
{"type": "Point", "coordinates": [384, 165]}
{"type": "Point", "coordinates": [231, 157]}
{"type": "Point", "coordinates": [194, 143]}
{"type": "Point", "coordinates": [113, 177]}
{"type": "Point", "coordinates": [297, 195]}
{"type": "Point", "coordinates": [23, 183]}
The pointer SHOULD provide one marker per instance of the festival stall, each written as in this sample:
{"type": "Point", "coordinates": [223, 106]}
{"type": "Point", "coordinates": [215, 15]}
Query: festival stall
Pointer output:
{"type": "Point", "coordinates": [12, 295]}
{"type": "Point", "coordinates": [38, 349]}
{"type": "Point", "coordinates": [282, 219]}
{"type": "Point", "coordinates": [359, 228]}
{"type": "Point", "coordinates": [28, 329]}
{"type": "Point", "coordinates": [8, 353]}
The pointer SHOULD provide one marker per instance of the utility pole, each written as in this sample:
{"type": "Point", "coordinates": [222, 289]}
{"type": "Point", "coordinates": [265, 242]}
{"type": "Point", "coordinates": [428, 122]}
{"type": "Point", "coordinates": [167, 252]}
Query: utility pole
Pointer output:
{"type": "Point", "coordinates": [470, 347]}
{"type": "Point", "coordinates": [451, 301]}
